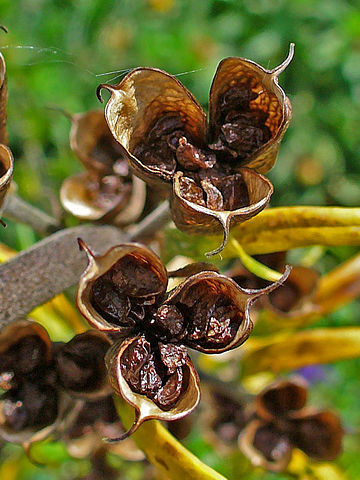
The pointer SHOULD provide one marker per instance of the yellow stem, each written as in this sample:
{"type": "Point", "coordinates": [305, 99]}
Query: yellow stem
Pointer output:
{"type": "Point", "coordinates": [254, 266]}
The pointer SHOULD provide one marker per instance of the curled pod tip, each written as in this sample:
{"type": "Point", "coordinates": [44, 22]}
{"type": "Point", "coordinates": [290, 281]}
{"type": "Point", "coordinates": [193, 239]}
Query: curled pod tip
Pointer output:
{"type": "Point", "coordinates": [100, 266]}
{"type": "Point", "coordinates": [192, 216]}
{"type": "Point", "coordinates": [145, 408]}
{"type": "Point", "coordinates": [6, 172]}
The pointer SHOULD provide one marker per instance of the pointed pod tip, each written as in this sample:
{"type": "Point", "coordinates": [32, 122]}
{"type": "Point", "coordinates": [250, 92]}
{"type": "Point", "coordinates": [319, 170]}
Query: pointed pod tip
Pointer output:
{"type": "Point", "coordinates": [137, 422]}
{"type": "Point", "coordinates": [225, 223]}
{"type": "Point", "coordinates": [84, 247]}
{"type": "Point", "coordinates": [4, 29]}
{"type": "Point", "coordinates": [3, 223]}
{"type": "Point", "coordinates": [276, 71]}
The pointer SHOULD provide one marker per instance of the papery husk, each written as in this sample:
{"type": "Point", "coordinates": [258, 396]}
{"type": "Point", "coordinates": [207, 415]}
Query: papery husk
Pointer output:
{"type": "Point", "coordinates": [6, 164]}
{"type": "Point", "coordinates": [290, 394]}
{"type": "Point", "coordinates": [235, 71]}
{"type": "Point", "coordinates": [74, 197]}
{"type": "Point", "coordinates": [87, 128]}
{"type": "Point", "coordinates": [145, 408]}
{"type": "Point", "coordinates": [3, 101]}
{"type": "Point", "coordinates": [104, 388]}
{"type": "Point", "coordinates": [97, 266]}
{"type": "Point", "coordinates": [333, 426]}
{"type": "Point", "coordinates": [246, 445]}
{"type": "Point", "coordinates": [241, 298]}
{"type": "Point", "coordinates": [196, 219]}
{"type": "Point", "coordinates": [20, 329]}
{"type": "Point", "coordinates": [306, 281]}
{"type": "Point", "coordinates": [138, 101]}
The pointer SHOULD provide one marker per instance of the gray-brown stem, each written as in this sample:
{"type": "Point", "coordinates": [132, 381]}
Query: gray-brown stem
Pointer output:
{"type": "Point", "coordinates": [54, 264]}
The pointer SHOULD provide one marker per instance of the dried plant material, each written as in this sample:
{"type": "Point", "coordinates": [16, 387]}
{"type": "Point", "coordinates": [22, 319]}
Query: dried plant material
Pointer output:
{"type": "Point", "coordinates": [95, 420]}
{"type": "Point", "coordinates": [107, 191]}
{"type": "Point", "coordinates": [246, 194]}
{"type": "Point", "coordinates": [32, 406]}
{"type": "Point", "coordinates": [6, 172]}
{"type": "Point", "coordinates": [165, 134]}
{"type": "Point", "coordinates": [80, 365]}
{"type": "Point", "coordinates": [283, 423]}
{"type": "Point", "coordinates": [296, 295]}
{"type": "Point", "coordinates": [124, 292]}
{"type": "Point", "coordinates": [3, 102]}
{"type": "Point", "coordinates": [173, 400]}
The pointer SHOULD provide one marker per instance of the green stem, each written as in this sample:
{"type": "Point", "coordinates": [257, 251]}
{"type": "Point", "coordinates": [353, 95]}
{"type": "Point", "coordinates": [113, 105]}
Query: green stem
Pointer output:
{"type": "Point", "coordinates": [253, 265]}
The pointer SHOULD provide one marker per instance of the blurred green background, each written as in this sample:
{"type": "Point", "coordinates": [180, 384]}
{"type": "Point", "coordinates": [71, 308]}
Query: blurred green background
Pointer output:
{"type": "Point", "coordinates": [58, 51]}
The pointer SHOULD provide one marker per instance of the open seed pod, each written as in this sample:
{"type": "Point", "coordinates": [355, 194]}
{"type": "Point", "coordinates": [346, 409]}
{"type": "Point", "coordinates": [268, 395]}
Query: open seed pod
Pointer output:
{"type": "Point", "coordinates": [281, 398]}
{"type": "Point", "coordinates": [80, 365]}
{"type": "Point", "coordinates": [217, 310]}
{"type": "Point", "coordinates": [152, 103]}
{"type": "Point", "coordinates": [3, 101]}
{"type": "Point", "coordinates": [266, 446]}
{"type": "Point", "coordinates": [219, 203]}
{"type": "Point", "coordinates": [107, 191]}
{"type": "Point", "coordinates": [167, 139]}
{"type": "Point", "coordinates": [6, 172]}
{"type": "Point", "coordinates": [25, 348]}
{"type": "Point", "coordinates": [248, 111]}
{"type": "Point", "coordinates": [317, 433]}
{"type": "Point", "coordinates": [115, 286]}
{"type": "Point", "coordinates": [134, 361]}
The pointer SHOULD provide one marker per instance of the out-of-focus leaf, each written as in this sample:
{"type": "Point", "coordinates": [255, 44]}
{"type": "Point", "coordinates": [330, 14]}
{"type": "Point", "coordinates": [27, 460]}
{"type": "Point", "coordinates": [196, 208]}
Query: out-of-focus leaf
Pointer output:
{"type": "Point", "coordinates": [292, 351]}
{"type": "Point", "coordinates": [277, 229]}
{"type": "Point", "coordinates": [164, 451]}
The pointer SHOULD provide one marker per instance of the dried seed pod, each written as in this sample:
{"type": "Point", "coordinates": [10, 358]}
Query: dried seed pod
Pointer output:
{"type": "Point", "coordinates": [166, 137]}
{"type": "Point", "coordinates": [295, 296]}
{"type": "Point", "coordinates": [6, 172]}
{"type": "Point", "coordinates": [128, 359]}
{"type": "Point", "coordinates": [191, 214]}
{"type": "Point", "coordinates": [124, 277]}
{"type": "Point", "coordinates": [107, 191]}
{"type": "Point", "coordinates": [317, 433]}
{"type": "Point", "coordinates": [150, 102]}
{"type": "Point", "coordinates": [3, 101]}
{"type": "Point", "coordinates": [246, 98]}
{"type": "Point", "coordinates": [25, 347]}
{"type": "Point", "coordinates": [283, 423]}
{"type": "Point", "coordinates": [217, 310]}
{"type": "Point", "coordinates": [265, 446]}
{"type": "Point", "coordinates": [32, 413]}
{"type": "Point", "coordinates": [281, 398]}
{"type": "Point", "coordinates": [80, 365]}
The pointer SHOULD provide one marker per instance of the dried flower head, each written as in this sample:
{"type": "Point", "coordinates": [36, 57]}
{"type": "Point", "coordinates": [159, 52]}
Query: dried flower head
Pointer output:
{"type": "Point", "coordinates": [124, 292]}
{"type": "Point", "coordinates": [169, 141]}
{"type": "Point", "coordinates": [282, 423]}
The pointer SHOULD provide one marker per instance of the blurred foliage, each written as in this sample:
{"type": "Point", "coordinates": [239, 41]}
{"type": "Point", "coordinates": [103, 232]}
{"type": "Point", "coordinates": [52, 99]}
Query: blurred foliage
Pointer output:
{"type": "Point", "coordinates": [58, 51]}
